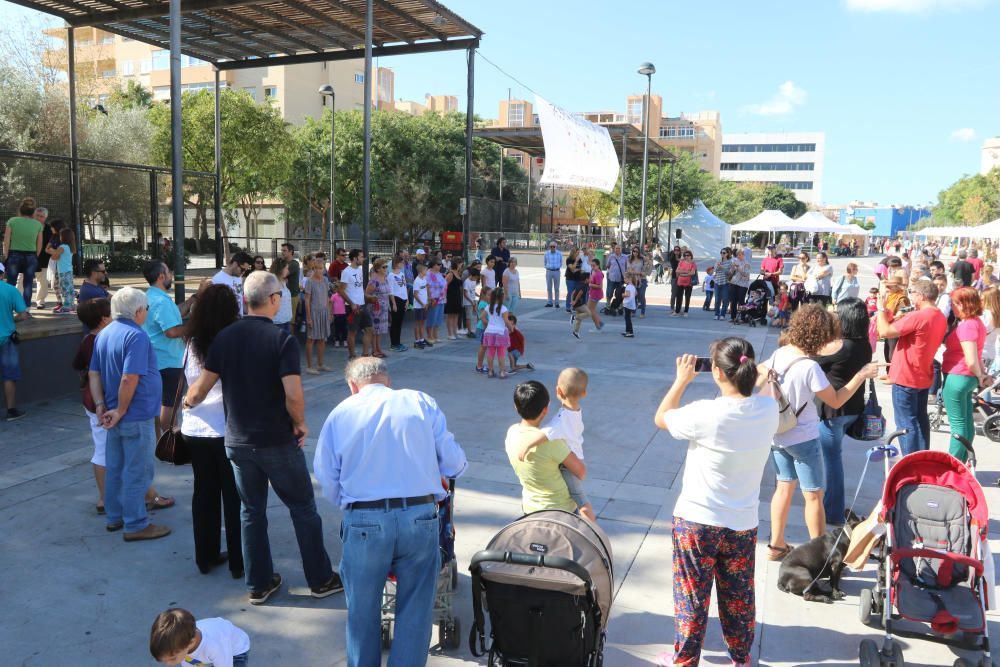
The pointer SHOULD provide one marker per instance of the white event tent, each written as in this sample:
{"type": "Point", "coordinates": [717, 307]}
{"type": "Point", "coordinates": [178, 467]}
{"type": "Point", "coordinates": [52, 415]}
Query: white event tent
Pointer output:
{"type": "Point", "coordinates": [767, 221]}
{"type": "Point", "coordinates": [703, 232]}
{"type": "Point", "coordinates": [819, 223]}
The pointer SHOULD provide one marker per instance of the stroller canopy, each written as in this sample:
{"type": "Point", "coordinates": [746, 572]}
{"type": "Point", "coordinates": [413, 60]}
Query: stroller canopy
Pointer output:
{"type": "Point", "coordinates": [556, 533]}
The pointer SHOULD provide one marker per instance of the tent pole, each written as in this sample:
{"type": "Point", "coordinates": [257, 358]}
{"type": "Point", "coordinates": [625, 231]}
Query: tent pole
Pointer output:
{"type": "Point", "coordinates": [176, 154]}
{"type": "Point", "coordinates": [367, 151]}
{"type": "Point", "coordinates": [621, 202]}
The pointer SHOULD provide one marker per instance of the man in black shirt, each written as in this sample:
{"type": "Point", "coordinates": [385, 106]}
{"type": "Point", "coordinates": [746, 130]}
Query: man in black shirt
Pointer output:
{"type": "Point", "coordinates": [962, 271]}
{"type": "Point", "coordinates": [265, 431]}
{"type": "Point", "coordinates": [502, 253]}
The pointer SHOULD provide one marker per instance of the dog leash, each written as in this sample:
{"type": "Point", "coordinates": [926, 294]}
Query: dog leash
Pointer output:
{"type": "Point", "coordinates": [885, 449]}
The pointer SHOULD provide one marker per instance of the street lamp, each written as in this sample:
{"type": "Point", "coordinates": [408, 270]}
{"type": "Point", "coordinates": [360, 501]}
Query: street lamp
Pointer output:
{"type": "Point", "coordinates": [647, 70]}
{"type": "Point", "coordinates": [327, 91]}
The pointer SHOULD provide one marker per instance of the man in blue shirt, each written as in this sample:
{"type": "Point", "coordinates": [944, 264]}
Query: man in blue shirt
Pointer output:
{"type": "Point", "coordinates": [381, 458]}
{"type": "Point", "coordinates": [127, 387]}
{"type": "Point", "coordinates": [12, 309]}
{"type": "Point", "coordinates": [553, 265]}
{"type": "Point", "coordinates": [94, 275]}
{"type": "Point", "coordinates": [165, 329]}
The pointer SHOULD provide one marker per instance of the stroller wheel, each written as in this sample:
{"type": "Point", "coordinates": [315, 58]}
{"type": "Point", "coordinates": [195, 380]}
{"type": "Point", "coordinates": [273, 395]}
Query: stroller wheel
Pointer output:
{"type": "Point", "coordinates": [867, 607]}
{"type": "Point", "coordinates": [896, 659]}
{"type": "Point", "coordinates": [868, 654]}
{"type": "Point", "coordinates": [991, 427]}
{"type": "Point", "coordinates": [985, 662]}
{"type": "Point", "coordinates": [962, 662]}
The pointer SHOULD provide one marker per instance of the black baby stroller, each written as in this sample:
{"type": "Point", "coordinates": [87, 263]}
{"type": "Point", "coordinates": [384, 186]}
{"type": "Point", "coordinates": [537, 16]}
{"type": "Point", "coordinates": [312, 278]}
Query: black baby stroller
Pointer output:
{"type": "Point", "coordinates": [547, 581]}
{"type": "Point", "coordinates": [614, 307]}
{"type": "Point", "coordinates": [931, 568]}
{"type": "Point", "coordinates": [754, 309]}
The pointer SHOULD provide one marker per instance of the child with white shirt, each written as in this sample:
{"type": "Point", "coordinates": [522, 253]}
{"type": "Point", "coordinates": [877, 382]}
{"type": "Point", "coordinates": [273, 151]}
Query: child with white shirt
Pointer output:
{"type": "Point", "coordinates": [629, 304]}
{"type": "Point", "coordinates": [176, 638]}
{"type": "Point", "coordinates": [420, 308]}
{"type": "Point", "coordinates": [571, 388]}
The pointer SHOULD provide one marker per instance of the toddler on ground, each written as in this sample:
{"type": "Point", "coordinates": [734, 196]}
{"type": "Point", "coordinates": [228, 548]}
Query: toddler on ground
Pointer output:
{"type": "Point", "coordinates": [516, 349]}
{"type": "Point", "coordinates": [177, 638]}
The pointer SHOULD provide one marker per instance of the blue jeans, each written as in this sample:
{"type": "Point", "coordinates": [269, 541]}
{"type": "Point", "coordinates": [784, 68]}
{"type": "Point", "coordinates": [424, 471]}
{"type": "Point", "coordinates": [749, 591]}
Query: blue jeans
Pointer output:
{"type": "Point", "coordinates": [570, 286]}
{"type": "Point", "coordinates": [129, 472]}
{"type": "Point", "coordinates": [512, 302]}
{"type": "Point", "coordinates": [10, 362]}
{"type": "Point", "coordinates": [802, 462]}
{"type": "Point", "coordinates": [640, 299]}
{"type": "Point", "coordinates": [378, 542]}
{"type": "Point", "coordinates": [552, 286]}
{"type": "Point", "coordinates": [721, 299]}
{"type": "Point", "coordinates": [22, 263]}
{"type": "Point", "coordinates": [708, 300]}
{"type": "Point", "coordinates": [909, 410]}
{"type": "Point", "coordinates": [241, 660]}
{"type": "Point", "coordinates": [831, 437]}
{"type": "Point", "coordinates": [285, 468]}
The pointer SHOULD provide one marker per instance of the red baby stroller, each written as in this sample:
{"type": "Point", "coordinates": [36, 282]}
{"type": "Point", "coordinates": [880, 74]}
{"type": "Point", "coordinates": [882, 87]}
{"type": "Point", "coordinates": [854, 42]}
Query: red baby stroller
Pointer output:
{"type": "Point", "coordinates": [932, 560]}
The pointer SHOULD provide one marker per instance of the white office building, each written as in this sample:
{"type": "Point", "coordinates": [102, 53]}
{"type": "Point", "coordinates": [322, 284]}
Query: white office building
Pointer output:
{"type": "Point", "coordinates": [793, 160]}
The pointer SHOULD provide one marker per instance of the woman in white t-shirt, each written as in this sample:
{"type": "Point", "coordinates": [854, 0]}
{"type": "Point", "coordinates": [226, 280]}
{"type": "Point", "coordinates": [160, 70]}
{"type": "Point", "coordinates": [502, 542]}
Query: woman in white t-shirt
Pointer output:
{"type": "Point", "coordinates": [715, 518]}
{"type": "Point", "coordinates": [496, 334]}
{"type": "Point", "coordinates": [796, 454]}
{"type": "Point", "coordinates": [203, 428]}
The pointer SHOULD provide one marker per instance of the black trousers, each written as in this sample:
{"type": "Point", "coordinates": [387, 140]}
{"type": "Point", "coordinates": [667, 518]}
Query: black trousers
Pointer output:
{"type": "Point", "coordinates": [396, 321]}
{"type": "Point", "coordinates": [215, 496]}
{"type": "Point", "coordinates": [682, 294]}
{"type": "Point", "coordinates": [737, 295]}
{"type": "Point", "coordinates": [628, 320]}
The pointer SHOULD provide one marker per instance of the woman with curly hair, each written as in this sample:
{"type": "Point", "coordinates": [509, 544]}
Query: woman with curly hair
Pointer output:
{"type": "Point", "coordinates": [796, 454]}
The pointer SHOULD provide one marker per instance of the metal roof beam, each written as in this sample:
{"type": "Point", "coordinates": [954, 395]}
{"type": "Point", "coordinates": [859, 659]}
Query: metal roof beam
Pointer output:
{"type": "Point", "coordinates": [157, 10]}
{"type": "Point", "coordinates": [137, 30]}
{"type": "Point", "coordinates": [320, 16]}
{"type": "Point", "coordinates": [229, 49]}
{"type": "Point", "coordinates": [392, 9]}
{"type": "Point", "coordinates": [250, 36]}
{"type": "Point", "coordinates": [260, 27]}
{"type": "Point", "coordinates": [361, 17]}
{"type": "Point", "coordinates": [292, 25]}
{"type": "Point", "coordinates": [452, 16]}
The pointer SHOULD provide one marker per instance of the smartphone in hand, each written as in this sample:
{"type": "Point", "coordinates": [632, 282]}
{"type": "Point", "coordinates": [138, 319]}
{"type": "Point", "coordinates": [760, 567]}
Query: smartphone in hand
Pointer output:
{"type": "Point", "coordinates": [702, 365]}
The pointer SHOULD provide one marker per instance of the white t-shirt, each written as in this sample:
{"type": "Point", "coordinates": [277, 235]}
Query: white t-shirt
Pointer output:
{"type": "Point", "coordinates": [470, 292]}
{"type": "Point", "coordinates": [992, 330]}
{"type": "Point", "coordinates": [284, 314]}
{"type": "Point", "coordinates": [354, 278]}
{"type": "Point", "coordinates": [220, 641]}
{"type": "Point", "coordinates": [208, 418]}
{"type": "Point", "coordinates": [397, 282]}
{"type": "Point", "coordinates": [629, 301]}
{"type": "Point", "coordinates": [419, 293]}
{"type": "Point", "coordinates": [495, 323]}
{"type": "Point", "coordinates": [729, 443]}
{"type": "Point", "coordinates": [490, 278]}
{"type": "Point", "coordinates": [234, 283]}
{"type": "Point", "coordinates": [567, 425]}
{"type": "Point", "coordinates": [799, 384]}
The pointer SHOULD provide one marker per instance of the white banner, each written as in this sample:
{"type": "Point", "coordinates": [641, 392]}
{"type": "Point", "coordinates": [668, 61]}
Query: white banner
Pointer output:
{"type": "Point", "coordinates": [577, 152]}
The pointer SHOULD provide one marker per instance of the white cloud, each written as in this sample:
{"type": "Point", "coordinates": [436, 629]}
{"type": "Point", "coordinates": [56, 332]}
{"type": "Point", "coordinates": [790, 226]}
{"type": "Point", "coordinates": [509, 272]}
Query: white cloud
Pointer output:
{"type": "Point", "coordinates": [963, 134]}
{"type": "Point", "coordinates": [788, 97]}
{"type": "Point", "coordinates": [911, 6]}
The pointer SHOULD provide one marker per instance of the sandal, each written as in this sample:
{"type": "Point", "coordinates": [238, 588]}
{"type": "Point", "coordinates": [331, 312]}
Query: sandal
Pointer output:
{"type": "Point", "coordinates": [503, 375]}
{"type": "Point", "coordinates": [380, 355]}
{"type": "Point", "coordinates": [778, 553]}
{"type": "Point", "coordinates": [159, 503]}
{"type": "Point", "coordinates": [99, 508]}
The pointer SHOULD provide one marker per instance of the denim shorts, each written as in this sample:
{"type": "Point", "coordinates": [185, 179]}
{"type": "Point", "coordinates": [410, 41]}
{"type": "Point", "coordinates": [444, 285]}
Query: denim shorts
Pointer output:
{"type": "Point", "coordinates": [420, 314]}
{"type": "Point", "coordinates": [802, 462]}
{"type": "Point", "coordinates": [10, 366]}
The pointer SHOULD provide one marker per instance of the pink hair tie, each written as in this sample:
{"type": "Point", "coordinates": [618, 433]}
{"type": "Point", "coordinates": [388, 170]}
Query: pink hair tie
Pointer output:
{"type": "Point", "coordinates": [744, 358]}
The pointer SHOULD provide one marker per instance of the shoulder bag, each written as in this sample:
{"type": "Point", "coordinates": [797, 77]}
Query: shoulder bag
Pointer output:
{"type": "Point", "coordinates": [870, 424]}
{"type": "Point", "coordinates": [170, 447]}
{"type": "Point", "coordinates": [787, 418]}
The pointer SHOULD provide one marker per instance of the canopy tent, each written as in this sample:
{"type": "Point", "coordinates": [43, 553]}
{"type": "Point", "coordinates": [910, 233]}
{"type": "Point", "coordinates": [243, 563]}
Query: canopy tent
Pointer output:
{"type": "Point", "coordinates": [991, 230]}
{"type": "Point", "coordinates": [816, 222]}
{"type": "Point", "coordinates": [702, 231]}
{"type": "Point", "coordinates": [768, 221]}
{"type": "Point", "coordinates": [950, 232]}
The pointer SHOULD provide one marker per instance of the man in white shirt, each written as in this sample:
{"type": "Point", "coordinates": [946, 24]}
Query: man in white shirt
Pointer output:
{"type": "Point", "coordinates": [231, 275]}
{"type": "Point", "coordinates": [381, 457]}
{"type": "Point", "coordinates": [352, 290]}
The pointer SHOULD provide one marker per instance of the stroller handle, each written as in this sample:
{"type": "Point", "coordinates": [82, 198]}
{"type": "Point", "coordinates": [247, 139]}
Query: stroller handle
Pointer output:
{"type": "Point", "coordinates": [896, 434]}
{"type": "Point", "coordinates": [531, 560]}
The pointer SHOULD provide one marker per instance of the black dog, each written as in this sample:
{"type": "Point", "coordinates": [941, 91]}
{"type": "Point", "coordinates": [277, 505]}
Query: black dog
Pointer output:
{"type": "Point", "coordinates": [819, 558]}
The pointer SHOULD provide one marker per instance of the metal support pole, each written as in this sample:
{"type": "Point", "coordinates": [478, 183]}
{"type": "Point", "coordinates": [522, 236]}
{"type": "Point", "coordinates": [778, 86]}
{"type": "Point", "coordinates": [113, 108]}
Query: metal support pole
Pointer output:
{"type": "Point", "coordinates": [154, 212]}
{"type": "Point", "coordinates": [176, 157]}
{"type": "Point", "coordinates": [219, 247]}
{"type": "Point", "coordinates": [367, 175]}
{"type": "Point", "coordinates": [621, 193]}
{"type": "Point", "coordinates": [659, 188]}
{"type": "Point", "coordinates": [670, 203]}
{"type": "Point", "coordinates": [501, 190]}
{"type": "Point", "coordinates": [470, 98]}
{"type": "Point", "coordinates": [552, 209]}
{"type": "Point", "coordinates": [333, 172]}
{"type": "Point", "coordinates": [645, 157]}
{"type": "Point", "coordinates": [74, 154]}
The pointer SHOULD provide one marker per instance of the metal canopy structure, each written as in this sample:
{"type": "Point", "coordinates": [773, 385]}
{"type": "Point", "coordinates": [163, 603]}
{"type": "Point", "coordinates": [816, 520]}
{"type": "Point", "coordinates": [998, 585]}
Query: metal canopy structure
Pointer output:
{"type": "Point", "coordinates": [244, 34]}
{"type": "Point", "coordinates": [627, 139]}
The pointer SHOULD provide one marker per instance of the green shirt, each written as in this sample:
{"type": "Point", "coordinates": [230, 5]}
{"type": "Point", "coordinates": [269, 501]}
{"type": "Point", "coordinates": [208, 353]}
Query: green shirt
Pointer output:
{"type": "Point", "coordinates": [542, 484]}
{"type": "Point", "coordinates": [24, 234]}
{"type": "Point", "coordinates": [293, 278]}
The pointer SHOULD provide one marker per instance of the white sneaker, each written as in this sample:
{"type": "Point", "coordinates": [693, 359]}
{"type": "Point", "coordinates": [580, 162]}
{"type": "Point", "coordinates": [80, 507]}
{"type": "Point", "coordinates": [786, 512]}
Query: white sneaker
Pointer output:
{"type": "Point", "coordinates": [463, 332]}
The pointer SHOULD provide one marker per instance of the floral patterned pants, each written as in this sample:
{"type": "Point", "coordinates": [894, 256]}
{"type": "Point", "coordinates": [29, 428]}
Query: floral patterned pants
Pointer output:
{"type": "Point", "coordinates": [703, 554]}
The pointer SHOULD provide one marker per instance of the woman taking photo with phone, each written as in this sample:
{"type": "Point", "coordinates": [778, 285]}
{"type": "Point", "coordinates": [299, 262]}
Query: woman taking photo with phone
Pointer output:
{"type": "Point", "coordinates": [715, 519]}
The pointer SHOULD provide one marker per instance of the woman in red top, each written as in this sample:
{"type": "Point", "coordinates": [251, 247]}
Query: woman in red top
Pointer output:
{"type": "Point", "coordinates": [684, 275]}
{"type": "Point", "coordinates": [962, 365]}
{"type": "Point", "coordinates": [772, 267]}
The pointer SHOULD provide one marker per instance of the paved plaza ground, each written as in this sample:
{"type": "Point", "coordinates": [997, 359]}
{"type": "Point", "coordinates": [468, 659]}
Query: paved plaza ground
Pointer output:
{"type": "Point", "coordinates": [73, 594]}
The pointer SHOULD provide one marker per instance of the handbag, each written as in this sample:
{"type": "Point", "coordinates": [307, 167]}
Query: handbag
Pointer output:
{"type": "Point", "coordinates": [170, 447]}
{"type": "Point", "coordinates": [870, 424]}
{"type": "Point", "coordinates": [787, 418]}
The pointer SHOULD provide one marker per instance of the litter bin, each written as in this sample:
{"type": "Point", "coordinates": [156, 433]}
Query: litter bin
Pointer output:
{"type": "Point", "coordinates": [599, 255]}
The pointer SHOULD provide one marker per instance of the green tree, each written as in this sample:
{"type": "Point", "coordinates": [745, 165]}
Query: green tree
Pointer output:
{"type": "Point", "coordinates": [594, 205]}
{"type": "Point", "coordinates": [969, 200]}
{"type": "Point", "coordinates": [133, 96]}
{"type": "Point", "coordinates": [736, 202]}
{"type": "Point", "coordinates": [255, 153]}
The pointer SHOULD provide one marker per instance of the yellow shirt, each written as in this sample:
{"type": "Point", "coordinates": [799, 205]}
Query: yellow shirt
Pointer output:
{"type": "Point", "coordinates": [542, 484]}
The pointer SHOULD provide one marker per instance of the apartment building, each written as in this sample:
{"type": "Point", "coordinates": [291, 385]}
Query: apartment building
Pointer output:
{"type": "Point", "coordinates": [106, 61]}
{"type": "Point", "coordinates": [793, 160]}
{"type": "Point", "coordinates": [990, 156]}
{"type": "Point", "coordinates": [432, 104]}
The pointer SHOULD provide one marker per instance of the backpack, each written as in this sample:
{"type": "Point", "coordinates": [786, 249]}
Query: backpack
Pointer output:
{"type": "Point", "coordinates": [787, 418]}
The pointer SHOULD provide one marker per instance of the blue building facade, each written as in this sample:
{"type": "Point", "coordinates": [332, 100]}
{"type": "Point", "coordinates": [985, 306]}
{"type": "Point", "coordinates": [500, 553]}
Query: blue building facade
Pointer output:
{"type": "Point", "coordinates": [889, 220]}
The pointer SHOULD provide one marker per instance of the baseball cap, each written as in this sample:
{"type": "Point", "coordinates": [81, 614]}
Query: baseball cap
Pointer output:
{"type": "Point", "coordinates": [420, 251]}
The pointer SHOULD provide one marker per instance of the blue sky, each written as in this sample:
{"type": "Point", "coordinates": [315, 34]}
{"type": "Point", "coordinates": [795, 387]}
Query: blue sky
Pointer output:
{"type": "Point", "coordinates": [906, 90]}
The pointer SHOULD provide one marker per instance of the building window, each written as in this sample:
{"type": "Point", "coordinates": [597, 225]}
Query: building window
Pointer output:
{"type": "Point", "coordinates": [768, 166]}
{"type": "Point", "coordinates": [161, 60]}
{"type": "Point", "coordinates": [108, 39]}
{"type": "Point", "coordinates": [128, 68]}
{"type": "Point", "coordinates": [144, 66]}
{"type": "Point", "coordinates": [634, 111]}
{"type": "Point", "coordinates": [359, 77]}
{"type": "Point", "coordinates": [534, 119]}
{"type": "Point", "coordinates": [161, 93]}
{"type": "Point", "coordinates": [270, 91]}
{"type": "Point", "coordinates": [515, 114]}
{"type": "Point", "coordinates": [684, 132]}
{"type": "Point", "coordinates": [108, 74]}
{"type": "Point", "coordinates": [769, 148]}
{"type": "Point", "coordinates": [252, 92]}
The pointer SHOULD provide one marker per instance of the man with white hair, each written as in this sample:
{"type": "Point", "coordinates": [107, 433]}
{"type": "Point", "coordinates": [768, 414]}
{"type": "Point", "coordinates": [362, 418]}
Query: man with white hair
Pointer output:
{"type": "Point", "coordinates": [126, 385]}
{"type": "Point", "coordinates": [265, 431]}
{"type": "Point", "coordinates": [381, 458]}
